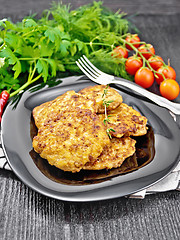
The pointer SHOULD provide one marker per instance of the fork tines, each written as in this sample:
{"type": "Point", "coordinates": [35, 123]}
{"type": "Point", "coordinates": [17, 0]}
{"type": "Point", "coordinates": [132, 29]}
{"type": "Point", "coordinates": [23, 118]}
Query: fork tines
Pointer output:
{"type": "Point", "coordinates": [88, 68]}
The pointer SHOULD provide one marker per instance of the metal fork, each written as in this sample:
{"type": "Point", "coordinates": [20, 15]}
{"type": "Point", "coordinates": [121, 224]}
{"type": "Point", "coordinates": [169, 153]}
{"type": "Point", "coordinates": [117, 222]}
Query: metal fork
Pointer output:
{"type": "Point", "coordinates": [100, 77]}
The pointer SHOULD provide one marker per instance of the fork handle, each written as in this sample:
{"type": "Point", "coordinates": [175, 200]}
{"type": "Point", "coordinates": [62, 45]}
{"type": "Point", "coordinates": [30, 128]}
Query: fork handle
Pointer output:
{"type": "Point", "coordinates": [161, 101]}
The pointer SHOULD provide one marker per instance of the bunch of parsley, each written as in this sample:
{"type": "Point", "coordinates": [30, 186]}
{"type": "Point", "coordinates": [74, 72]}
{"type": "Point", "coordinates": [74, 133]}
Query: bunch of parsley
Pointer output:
{"type": "Point", "coordinates": [36, 51]}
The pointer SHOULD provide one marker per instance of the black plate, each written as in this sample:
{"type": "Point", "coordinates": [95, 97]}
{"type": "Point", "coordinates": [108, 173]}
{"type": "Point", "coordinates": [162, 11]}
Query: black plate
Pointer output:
{"type": "Point", "coordinates": [17, 145]}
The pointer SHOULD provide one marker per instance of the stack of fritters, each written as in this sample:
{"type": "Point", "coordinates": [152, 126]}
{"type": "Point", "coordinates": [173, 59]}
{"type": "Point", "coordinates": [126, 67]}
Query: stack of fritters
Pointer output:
{"type": "Point", "coordinates": [72, 134]}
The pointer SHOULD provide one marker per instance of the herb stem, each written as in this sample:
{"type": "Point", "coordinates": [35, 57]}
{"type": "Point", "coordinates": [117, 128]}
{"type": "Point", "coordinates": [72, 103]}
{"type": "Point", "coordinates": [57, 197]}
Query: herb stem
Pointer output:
{"type": "Point", "coordinates": [99, 44]}
{"type": "Point", "coordinates": [105, 111]}
{"type": "Point", "coordinates": [26, 59]}
{"type": "Point", "coordinates": [30, 71]}
{"type": "Point", "coordinates": [2, 45]}
{"type": "Point", "coordinates": [26, 34]}
{"type": "Point", "coordinates": [106, 104]}
{"type": "Point", "coordinates": [31, 75]}
{"type": "Point", "coordinates": [25, 85]}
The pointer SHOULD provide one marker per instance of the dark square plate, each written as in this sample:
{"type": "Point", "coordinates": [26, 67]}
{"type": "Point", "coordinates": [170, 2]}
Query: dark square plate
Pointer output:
{"type": "Point", "coordinates": [17, 145]}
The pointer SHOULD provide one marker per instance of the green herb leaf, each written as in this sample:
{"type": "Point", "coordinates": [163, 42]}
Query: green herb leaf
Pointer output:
{"type": "Point", "coordinates": [64, 46]}
{"type": "Point", "coordinates": [2, 62]}
{"type": "Point", "coordinates": [29, 23]}
{"type": "Point", "coordinates": [106, 120]}
{"type": "Point", "coordinates": [28, 52]}
{"type": "Point", "coordinates": [53, 66]}
{"type": "Point", "coordinates": [17, 69]}
{"type": "Point", "coordinates": [8, 54]}
{"type": "Point", "coordinates": [60, 67]}
{"type": "Point", "coordinates": [46, 49]}
{"type": "Point", "coordinates": [80, 44]}
{"type": "Point", "coordinates": [108, 132]}
{"type": "Point", "coordinates": [12, 40]}
{"type": "Point", "coordinates": [42, 67]}
{"type": "Point", "coordinates": [54, 36]}
{"type": "Point", "coordinates": [73, 50]}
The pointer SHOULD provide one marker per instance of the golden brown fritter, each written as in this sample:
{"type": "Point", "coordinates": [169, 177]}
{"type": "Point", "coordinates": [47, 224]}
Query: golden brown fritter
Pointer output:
{"type": "Point", "coordinates": [126, 121]}
{"type": "Point", "coordinates": [96, 93]}
{"type": "Point", "coordinates": [113, 155]}
{"type": "Point", "coordinates": [72, 134]}
{"type": "Point", "coordinates": [129, 164]}
{"type": "Point", "coordinates": [76, 137]}
{"type": "Point", "coordinates": [69, 100]}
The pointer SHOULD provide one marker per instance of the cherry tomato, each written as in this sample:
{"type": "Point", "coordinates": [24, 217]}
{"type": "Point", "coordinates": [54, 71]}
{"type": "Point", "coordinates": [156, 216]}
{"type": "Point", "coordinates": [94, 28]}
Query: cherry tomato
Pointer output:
{"type": "Point", "coordinates": [134, 39]}
{"type": "Point", "coordinates": [144, 77]}
{"type": "Point", "coordinates": [167, 71]}
{"type": "Point", "coordinates": [155, 62]}
{"type": "Point", "coordinates": [169, 89]}
{"type": "Point", "coordinates": [120, 52]}
{"type": "Point", "coordinates": [133, 64]}
{"type": "Point", "coordinates": [147, 50]}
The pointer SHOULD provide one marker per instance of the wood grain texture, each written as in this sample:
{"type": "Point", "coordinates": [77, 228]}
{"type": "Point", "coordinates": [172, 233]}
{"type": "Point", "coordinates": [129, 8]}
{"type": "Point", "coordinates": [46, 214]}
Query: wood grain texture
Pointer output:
{"type": "Point", "coordinates": [25, 214]}
{"type": "Point", "coordinates": [16, 9]}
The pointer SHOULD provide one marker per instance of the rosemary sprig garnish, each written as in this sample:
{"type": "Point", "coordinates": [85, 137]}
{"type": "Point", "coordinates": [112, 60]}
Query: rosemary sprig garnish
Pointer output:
{"type": "Point", "coordinates": [106, 104]}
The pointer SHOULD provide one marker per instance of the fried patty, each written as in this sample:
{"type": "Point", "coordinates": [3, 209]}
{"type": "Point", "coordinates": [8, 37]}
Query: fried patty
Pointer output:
{"type": "Point", "coordinates": [74, 138]}
{"type": "Point", "coordinates": [113, 155]}
{"type": "Point", "coordinates": [96, 92]}
{"type": "Point", "coordinates": [125, 121]}
{"type": "Point", "coordinates": [49, 111]}
{"type": "Point", "coordinates": [129, 164]}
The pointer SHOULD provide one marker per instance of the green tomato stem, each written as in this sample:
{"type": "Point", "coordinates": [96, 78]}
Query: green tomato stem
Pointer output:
{"type": "Point", "coordinates": [145, 61]}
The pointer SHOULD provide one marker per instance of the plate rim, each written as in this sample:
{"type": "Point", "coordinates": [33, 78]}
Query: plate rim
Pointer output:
{"type": "Point", "coordinates": [73, 199]}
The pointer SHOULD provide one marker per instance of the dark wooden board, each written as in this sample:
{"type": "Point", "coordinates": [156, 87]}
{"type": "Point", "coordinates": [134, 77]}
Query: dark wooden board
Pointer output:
{"type": "Point", "coordinates": [25, 214]}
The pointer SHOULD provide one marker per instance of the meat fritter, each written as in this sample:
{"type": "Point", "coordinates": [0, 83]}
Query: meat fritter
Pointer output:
{"type": "Point", "coordinates": [96, 92]}
{"type": "Point", "coordinates": [129, 164]}
{"type": "Point", "coordinates": [74, 138]}
{"type": "Point", "coordinates": [69, 100]}
{"type": "Point", "coordinates": [126, 121]}
{"type": "Point", "coordinates": [113, 155]}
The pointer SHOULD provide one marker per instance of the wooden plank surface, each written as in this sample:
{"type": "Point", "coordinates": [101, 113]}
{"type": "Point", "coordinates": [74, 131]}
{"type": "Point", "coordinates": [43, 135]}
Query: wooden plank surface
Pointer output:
{"type": "Point", "coordinates": [25, 214]}
{"type": "Point", "coordinates": [16, 9]}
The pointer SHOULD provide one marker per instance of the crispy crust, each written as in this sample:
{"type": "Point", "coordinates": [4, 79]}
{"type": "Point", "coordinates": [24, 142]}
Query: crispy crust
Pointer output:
{"type": "Point", "coordinates": [66, 101]}
{"type": "Point", "coordinates": [113, 155]}
{"type": "Point", "coordinates": [96, 93]}
{"type": "Point", "coordinates": [72, 135]}
{"type": "Point", "coordinates": [126, 121]}
{"type": "Point", "coordinates": [73, 139]}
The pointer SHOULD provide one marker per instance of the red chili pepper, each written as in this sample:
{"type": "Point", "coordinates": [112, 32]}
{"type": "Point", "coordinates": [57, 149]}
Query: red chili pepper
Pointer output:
{"type": "Point", "coordinates": [3, 100]}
